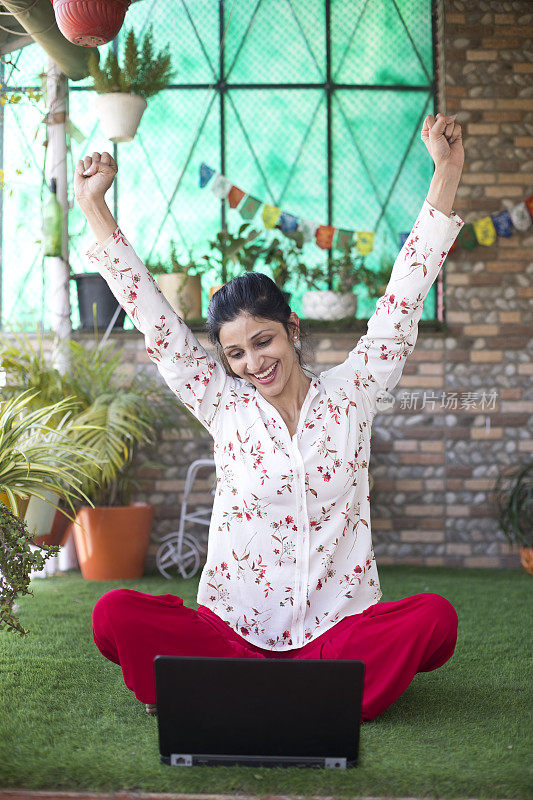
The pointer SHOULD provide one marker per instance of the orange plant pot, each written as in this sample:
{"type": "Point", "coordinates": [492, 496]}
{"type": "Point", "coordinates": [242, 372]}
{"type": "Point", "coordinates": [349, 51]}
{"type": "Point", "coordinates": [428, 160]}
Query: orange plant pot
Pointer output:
{"type": "Point", "coordinates": [112, 542]}
{"type": "Point", "coordinates": [526, 559]}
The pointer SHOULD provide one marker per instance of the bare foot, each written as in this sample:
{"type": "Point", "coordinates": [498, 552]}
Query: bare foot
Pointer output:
{"type": "Point", "coordinates": [150, 708]}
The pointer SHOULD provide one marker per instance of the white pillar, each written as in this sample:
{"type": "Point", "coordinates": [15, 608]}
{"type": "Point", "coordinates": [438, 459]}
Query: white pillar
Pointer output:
{"type": "Point", "coordinates": [57, 269]}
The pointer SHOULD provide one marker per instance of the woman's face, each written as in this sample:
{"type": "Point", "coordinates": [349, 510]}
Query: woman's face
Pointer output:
{"type": "Point", "coordinates": [259, 351]}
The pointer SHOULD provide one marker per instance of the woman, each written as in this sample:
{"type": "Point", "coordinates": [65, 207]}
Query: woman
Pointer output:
{"type": "Point", "coordinates": [290, 569]}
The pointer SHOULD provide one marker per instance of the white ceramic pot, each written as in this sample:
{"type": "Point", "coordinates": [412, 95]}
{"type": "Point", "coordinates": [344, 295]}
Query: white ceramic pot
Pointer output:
{"type": "Point", "coordinates": [184, 297]}
{"type": "Point", "coordinates": [119, 114]}
{"type": "Point", "coordinates": [325, 304]}
{"type": "Point", "coordinates": [40, 514]}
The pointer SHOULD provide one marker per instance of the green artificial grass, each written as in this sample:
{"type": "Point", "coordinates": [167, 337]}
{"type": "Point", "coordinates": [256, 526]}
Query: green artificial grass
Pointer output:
{"type": "Point", "coordinates": [67, 721]}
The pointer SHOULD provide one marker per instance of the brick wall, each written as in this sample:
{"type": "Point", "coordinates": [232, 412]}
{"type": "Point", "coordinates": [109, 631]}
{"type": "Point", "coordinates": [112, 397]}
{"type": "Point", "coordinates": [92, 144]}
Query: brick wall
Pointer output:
{"type": "Point", "coordinates": [434, 466]}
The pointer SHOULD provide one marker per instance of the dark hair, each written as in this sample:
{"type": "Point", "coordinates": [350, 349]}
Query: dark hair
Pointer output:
{"type": "Point", "coordinates": [252, 293]}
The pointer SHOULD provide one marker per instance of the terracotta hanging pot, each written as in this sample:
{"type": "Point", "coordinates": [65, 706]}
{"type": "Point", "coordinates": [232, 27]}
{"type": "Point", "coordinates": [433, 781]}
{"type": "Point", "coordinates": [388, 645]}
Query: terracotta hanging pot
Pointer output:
{"type": "Point", "coordinates": [90, 23]}
{"type": "Point", "coordinates": [112, 541]}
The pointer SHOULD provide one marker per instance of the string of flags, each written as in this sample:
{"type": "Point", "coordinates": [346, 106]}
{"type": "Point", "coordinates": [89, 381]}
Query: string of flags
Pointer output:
{"type": "Point", "coordinates": [483, 231]}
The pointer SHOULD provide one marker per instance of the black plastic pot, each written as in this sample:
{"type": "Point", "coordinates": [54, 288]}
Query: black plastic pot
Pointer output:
{"type": "Point", "coordinates": [92, 288]}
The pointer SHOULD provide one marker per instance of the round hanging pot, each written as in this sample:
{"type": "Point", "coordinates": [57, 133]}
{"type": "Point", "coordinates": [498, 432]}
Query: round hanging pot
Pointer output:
{"type": "Point", "coordinates": [90, 23]}
{"type": "Point", "coordinates": [325, 304]}
{"type": "Point", "coordinates": [119, 114]}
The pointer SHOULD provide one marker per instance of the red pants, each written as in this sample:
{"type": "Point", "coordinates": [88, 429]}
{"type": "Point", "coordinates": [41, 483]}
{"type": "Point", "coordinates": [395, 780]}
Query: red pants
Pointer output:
{"type": "Point", "coordinates": [395, 640]}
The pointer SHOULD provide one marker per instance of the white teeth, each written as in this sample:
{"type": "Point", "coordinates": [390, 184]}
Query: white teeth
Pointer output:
{"type": "Point", "coordinates": [266, 374]}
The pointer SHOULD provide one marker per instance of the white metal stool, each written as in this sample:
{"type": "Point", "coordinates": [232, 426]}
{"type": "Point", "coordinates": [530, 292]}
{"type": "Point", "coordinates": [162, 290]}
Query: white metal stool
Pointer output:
{"type": "Point", "coordinates": [178, 554]}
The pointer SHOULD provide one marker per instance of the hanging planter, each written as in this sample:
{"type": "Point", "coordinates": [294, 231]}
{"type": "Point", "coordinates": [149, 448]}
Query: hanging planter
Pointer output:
{"type": "Point", "coordinates": [90, 23]}
{"type": "Point", "coordinates": [119, 114]}
{"type": "Point", "coordinates": [122, 89]}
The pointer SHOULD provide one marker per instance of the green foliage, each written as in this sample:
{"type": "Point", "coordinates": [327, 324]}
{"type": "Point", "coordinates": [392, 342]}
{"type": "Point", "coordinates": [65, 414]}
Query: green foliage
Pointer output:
{"type": "Point", "coordinates": [36, 457]}
{"type": "Point", "coordinates": [514, 500]}
{"type": "Point", "coordinates": [143, 73]}
{"type": "Point", "coordinates": [173, 265]}
{"type": "Point", "coordinates": [233, 249]}
{"type": "Point", "coordinates": [350, 270]}
{"type": "Point", "coordinates": [115, 413]}
{"type": "Point", "coordinates": [17, 560]}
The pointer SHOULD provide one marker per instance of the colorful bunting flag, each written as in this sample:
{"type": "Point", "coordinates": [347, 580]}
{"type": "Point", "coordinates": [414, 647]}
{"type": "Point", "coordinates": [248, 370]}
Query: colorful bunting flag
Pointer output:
{"type": "Point", "coordinates": [221, 186]}
{"type": "Point", "coordinates": [235, 196]}
{"type": "Point", "coordinates": [466, 236]}
{"type": "Point", "coordinates": [288, 223]}
{"type": "Point", "coordinates": [521, 217]}
{"type": "Point", "coordinates": [271, 214]}
{"type": "Point", "coordinates": [502, 223]}
{"type": "Point", "coordinates": [324, 236]}
{"type": "Point", "coordinates": [485, 231]}
{"type": "Point", "coordinates": [248, 207]}
{"type": "Point", "coordinates": [343, 239]}
{"type": "Point", "coordinates": [206, 173]}
{"type": "Point", "coordinates": [365, 242]}
{"type": "Point", "coordinates": [307, 229]}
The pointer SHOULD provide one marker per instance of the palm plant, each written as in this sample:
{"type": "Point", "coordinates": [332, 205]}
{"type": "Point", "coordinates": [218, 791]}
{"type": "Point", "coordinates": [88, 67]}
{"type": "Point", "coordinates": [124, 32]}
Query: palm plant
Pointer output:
{"type": "Point", "coordinates": [116, 414]}
{"type": "Point", "coordinates": [514, 500]}
{"type": "Point", "coordinates": [35, 457]}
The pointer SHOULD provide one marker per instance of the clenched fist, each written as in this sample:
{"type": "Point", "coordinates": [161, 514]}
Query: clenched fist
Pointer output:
{"type": "Point", "coordinates": [443, 138]}
{"type": "Point", "coordinates": [94, 176]}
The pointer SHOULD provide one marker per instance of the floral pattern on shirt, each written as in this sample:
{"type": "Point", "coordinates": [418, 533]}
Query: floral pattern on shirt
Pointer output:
{"type": "Point", "coordinates": [290, 546]}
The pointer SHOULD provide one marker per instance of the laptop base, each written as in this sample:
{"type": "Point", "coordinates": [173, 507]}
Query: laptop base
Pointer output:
{"type": "Point", "coordinates": [206, 759]}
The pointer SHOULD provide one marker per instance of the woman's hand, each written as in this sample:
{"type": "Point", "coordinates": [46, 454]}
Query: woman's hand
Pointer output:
{"type": "Point", "coordinates": [443, 138]}
{"type": "Point", "coordinates": [94, 176]}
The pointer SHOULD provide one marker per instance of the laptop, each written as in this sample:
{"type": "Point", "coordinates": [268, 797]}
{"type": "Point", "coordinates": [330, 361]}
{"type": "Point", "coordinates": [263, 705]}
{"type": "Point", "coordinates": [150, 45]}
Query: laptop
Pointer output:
{"type": "Point", "coordinates": [258, 712]}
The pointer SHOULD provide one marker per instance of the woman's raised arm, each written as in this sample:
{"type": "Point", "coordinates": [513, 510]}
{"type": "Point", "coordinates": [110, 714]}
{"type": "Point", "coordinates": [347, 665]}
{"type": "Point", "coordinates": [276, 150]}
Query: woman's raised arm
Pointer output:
{"type": "Point", "coordinates": [377, 361]}
{"type": "Point", "coordinates": [197, 379]}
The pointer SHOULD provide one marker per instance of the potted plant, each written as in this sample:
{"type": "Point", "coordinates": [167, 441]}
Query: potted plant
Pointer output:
{"type": "Point", "coordinates": [27, 368]}
{"type": "Point", "coordinates": [230, 251]}
{"type": "Point", "coordinates": [122, 91]}
{"type": "Point", "coordinates": [38, 454]}
{"type": "Point", "coordinates": [112, 537]}
{"type": "Point", "coordinates": [349, 270]}
{"type": "Point", "coordinates": [18, 559]}
{"type": "Point", "coordinates": [514, 501]}
{"type": "Point", "coordinates": [283, 261]}
{"type": "Point", "coordinates": [180, 283]}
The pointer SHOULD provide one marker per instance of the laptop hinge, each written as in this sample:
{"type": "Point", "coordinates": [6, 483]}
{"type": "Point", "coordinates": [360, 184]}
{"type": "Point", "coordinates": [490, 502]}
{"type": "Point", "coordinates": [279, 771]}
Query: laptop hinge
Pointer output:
{"type": "Point", "coordinates": [189, 760]}
{"type": "Point", "coordinates": [180, 760]}
{"type": "Point", "coordinates": [335, 763]}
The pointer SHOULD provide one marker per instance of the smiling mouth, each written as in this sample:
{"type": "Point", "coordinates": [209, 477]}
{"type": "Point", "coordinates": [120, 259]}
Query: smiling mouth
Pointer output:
{"type": "Point", "coordinates": [268, 375]}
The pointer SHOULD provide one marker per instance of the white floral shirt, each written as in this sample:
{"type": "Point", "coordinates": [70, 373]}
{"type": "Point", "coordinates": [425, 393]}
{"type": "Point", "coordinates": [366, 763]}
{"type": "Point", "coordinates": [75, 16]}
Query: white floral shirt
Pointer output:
{"type": "Point", "coordinates": [290, 548]}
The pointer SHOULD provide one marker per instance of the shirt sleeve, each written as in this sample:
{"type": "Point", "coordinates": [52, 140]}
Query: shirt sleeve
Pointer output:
{"type": "Point", "coordinates": [197, 379]}
{"type": "Point", "coordinates": [377, 360]}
